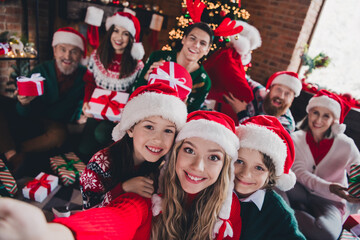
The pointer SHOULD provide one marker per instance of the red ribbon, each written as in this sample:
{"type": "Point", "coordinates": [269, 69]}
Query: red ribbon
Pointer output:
{"type": "Point", "coordinates": [106, 100]}
{"type": "Point", "coordinates": [35, 184]}
{"type": "Point", "coordinates": [223, 228]}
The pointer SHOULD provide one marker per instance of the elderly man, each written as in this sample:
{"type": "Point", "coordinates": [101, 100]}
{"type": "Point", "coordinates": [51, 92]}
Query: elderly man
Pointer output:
{"type": "Point", "coordinates": [276, 99]}
{"type": "Point", "coordinates": [39, 123]}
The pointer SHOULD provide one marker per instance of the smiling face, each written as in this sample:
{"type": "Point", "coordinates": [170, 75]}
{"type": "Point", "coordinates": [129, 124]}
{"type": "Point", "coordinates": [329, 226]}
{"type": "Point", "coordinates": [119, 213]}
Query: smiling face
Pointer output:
{"type": "Point", "coordinates": [67, 57]}
{"type": "Point", "coordinates": [278, 100]}
{"type": "Point", "coordinates": [320, 120]}
{"type": "Point", "coordinates": [152, 138]}
{"type": "Point", "coordinates": [119, 39]}
{"type": "Point", "coordinates": [199, 163]}
{"type": "Point", "coordinates": [195, 45]}
{"type": "Point", "coordinates": [251, 173]}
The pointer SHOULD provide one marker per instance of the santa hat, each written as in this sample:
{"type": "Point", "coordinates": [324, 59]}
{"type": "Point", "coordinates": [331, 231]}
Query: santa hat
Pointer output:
{"type": "Point", "coordinates": [131, 24]}
{"type": "Point", "coordinates": [219, 128]}
{"type": "Point", "coordinates": [288, 79]}
{"type": "Point", "coordinates": [338, 106]}
{"type": "Point", "coordinates": [157, 99]}
{"type": "Point", "coordinates": [266, 135]}
{"type": "Point", "coordinates": [68, 35]}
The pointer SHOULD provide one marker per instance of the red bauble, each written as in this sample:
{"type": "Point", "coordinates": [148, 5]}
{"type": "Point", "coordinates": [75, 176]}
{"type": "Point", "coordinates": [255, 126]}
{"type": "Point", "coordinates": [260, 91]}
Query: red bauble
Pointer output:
{"type": "Point", "coordinates": [222, 13]}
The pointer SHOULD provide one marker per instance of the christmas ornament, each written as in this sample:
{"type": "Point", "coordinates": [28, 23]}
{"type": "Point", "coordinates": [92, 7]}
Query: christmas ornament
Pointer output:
{"type": "Point", "coordinates": [222, 13]}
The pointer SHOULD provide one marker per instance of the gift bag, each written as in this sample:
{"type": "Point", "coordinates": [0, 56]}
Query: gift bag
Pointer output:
{"type": "Point", "coordinates": [106, 104]}
{"type": "Point", "coordinates": [68, 167]}
{"type": "Point", "coordinates": [8, 186]}
{"type": "Point", "coordinates": [32, 86]}
{"type": "Point", "coordinates": [174, 75]}
{"type": "Point", "coordinates": [39, 188]}
{"type": "Point", "coordinates": [354, 181]}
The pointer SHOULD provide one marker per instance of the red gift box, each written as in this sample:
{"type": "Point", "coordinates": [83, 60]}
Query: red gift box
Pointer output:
{"type": "Point", "coordinates": [106, 104]}
{"type": "Point", "coordinates": [352, 224]}
{"type": "Point", "coordinates": [174, 75]}
{"type": "Point", "coordinates": [4, 48]}
{"type": "Point", "coordinates": [33, 86]}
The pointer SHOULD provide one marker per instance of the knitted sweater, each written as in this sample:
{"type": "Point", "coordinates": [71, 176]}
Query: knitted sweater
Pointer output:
{"type": "Point", "coordinates": [332, 168]}
{"type": "Point", "coordinates": [109, 78]}
{"type": "Point", "coordinates": [255, 107]}
{"type": "Point", "coordinates": [201, 81]}
{"type": "Point", "coordinates": [51, 105]}
{"type": "Point", "coordinates": [276, 220]}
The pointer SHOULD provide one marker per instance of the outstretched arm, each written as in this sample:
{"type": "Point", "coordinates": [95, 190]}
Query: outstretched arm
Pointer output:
{"type": "Point", "coordinates": [19, 220]}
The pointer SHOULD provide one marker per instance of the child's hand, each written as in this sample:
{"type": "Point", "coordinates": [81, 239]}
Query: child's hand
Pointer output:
{"type": "Point", "coordinates": [140, 185]}
{"type": "Point", "coordinates": [85, 107]}
{"type": "Point", "coordinates": [152, 67]}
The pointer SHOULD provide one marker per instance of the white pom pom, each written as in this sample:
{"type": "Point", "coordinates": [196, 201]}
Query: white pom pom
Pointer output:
{"type": "Point", "coordinates": [156, 201]}
{"type": "Point", "coordinates": [137, 51]}
{"type": "Point", "coordinates": [286, 181]}
{"type": "Point", "coordinates": [338, 128]}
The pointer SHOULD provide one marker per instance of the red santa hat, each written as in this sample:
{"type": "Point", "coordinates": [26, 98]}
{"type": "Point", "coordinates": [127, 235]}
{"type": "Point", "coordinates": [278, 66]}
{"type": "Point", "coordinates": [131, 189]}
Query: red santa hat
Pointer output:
{"type": "Point", "coordinates": [219, 128]}
{"type": "Point", "coordinates": [157, 99]}
{"type": "Point", "coordinates": [337, 105]}
{"type": "Point", "coordinates": [131, 24]}
{"type": "Point", "coordinates": [288, 79]}
{"type": "Point", "coordinates": [266, 135]}
{"type": "Point", "coordinates": [69, 35]}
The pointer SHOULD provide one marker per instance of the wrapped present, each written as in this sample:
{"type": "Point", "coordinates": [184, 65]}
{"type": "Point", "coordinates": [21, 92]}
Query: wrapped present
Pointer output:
{"type": "Point", "coordinates": [68, 167]}
{"type": "Point", "coordinates": [4, 48]}
{"type": "Point", "coordinates": [7, 181]}
{"type": "Point", "coordinates": [32, 86]}
{"type": "Point", "coordinates": [39, 188]}
{"type": "Point", "coordinates": [106, 104]}
{"type": "Point", "coordinates": [352, 224]}
{"type": "Point", "coordinates": [354, 180]}
{"type": "Point", "coordinates": [174, 75]}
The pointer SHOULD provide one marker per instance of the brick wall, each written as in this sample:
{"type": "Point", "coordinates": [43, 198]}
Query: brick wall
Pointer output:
{"type": "Point", "coordinates": [285, 26]}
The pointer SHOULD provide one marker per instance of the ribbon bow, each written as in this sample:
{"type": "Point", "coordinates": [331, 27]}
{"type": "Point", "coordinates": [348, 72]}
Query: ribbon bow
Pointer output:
{"type": "Point", "coordinates": [173, 81]}
{"type": "Point", "coordinates": [35, 77]}
{"type": "Point", "coordinates": [5, 47]}
{"type": "Point", "coordinates": [69, 165]}
{"type": "Point", "coordinates": [106, 100]}
{"type": "Point", "coordinates": [35, 184]}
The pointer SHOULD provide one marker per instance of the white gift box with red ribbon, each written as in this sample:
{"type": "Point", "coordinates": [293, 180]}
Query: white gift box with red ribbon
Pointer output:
{"type": "Point", "coordinates": [106, 104]}
{"type": "Point", "coordinates": [31, 86]}
{"type": "Point", "coordinates": [39, 188]}
{"type": "Point", "coordinates": [174, 75]}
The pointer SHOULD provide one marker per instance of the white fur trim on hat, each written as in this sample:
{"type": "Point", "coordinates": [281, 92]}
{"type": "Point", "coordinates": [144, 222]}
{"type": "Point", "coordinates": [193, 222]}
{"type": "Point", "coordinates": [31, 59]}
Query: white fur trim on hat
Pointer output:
{"type": "Point", "coordinates": [156, 201]}
{"type": "Point", "coordinates": [326, 102]}
{"type": "Point", "coordinates": [137, 51]}
{"type": "Point", "coordinates": [121, 21]}
{"type": "Point", "coordinates": [289, 81]}
{"type": "Point", "coordinates": [212, 131]}
{"type": "Point", "coordinates": [63, 37]}
{"type": "Point", "coordinates": [150, 104]}
{"type": "Point", "coordinates": [268, 142]}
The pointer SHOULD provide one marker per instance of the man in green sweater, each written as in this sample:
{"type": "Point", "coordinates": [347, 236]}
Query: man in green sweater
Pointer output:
{"type": "Point", "coordinates": [39, 123]}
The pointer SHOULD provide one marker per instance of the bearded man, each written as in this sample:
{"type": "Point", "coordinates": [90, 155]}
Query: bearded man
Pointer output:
{"type": "Point", "coordinates": [275, 100]}
{"type": "Point", "coordinates": [39, 123]}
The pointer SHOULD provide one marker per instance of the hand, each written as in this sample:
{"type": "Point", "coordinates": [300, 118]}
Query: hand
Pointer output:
{"type": "Point", "coordinates": [235, 103]}
{"type": "Point", "coordinates": [25, 100]}
{"type": "Point", "coordinates": [152, 67]}
{"type": "Point", "coordinates": [20, 220]}
{"type": "Point", "coordinates": [85, 107]}
{"type": "Point", "coordinates": [342, 192]}
{"type": "Point", "coordinates": [140, 185]}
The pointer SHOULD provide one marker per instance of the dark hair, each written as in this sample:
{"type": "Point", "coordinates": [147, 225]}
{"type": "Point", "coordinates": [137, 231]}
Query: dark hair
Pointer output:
{"type": "Point", "coordinates": [271, 180]}
{"type": "Point", "coordinates": [106, 54]}
{"type": "Point", "coordinates": [122, 163]}
{"type": "Point", "coordinates": [304, 125]}
{"type": "Point", "coordinates": [203, 26]}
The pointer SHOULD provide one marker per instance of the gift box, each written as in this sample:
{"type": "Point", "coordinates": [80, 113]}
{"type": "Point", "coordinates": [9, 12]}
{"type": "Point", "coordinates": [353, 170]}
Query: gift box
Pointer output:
{"type": "Point", "coordinates": [8, 186]}
{"type": "Point", "coordinates": [352, 224]}
{"type": "Point", "coordinates": [32, 86]}
{"type": "Point", "coordinates": [39, 188]}
{"type": "Point", "coordinates": [174, 75]}
{"type": "Point", "coordinates": [68, 167]}
{"type": "Point", "coordinates": [106, 104]}
{"type": "Point", "coordinates": [4, 48]}
{"type": "Point", "coordinates": [354, 181]}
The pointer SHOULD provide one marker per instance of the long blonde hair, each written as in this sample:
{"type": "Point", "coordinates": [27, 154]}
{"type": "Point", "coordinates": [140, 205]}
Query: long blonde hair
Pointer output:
{"type": "Point", "coordinates": [198, 222]}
